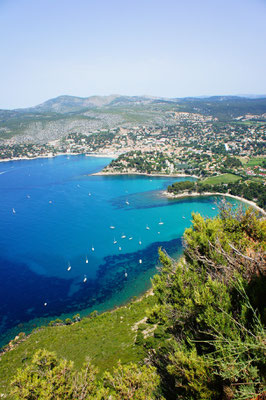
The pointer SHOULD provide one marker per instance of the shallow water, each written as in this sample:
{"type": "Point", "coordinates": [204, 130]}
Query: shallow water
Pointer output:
{"type": "Point", "coordinates": [52, 216]}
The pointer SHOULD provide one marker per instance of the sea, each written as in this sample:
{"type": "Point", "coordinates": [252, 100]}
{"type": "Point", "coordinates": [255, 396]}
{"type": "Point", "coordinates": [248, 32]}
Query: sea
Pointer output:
{"type": "Point", "coordinates": [72, 242]}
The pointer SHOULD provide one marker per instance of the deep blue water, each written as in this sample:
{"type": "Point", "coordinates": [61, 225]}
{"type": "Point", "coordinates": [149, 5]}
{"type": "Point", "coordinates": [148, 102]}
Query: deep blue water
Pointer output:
{"type": "Point", "coordinates": [52, 213]}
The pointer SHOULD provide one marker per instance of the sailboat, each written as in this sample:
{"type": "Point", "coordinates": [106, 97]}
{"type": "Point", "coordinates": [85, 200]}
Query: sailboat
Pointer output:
{"type": "Point", "coordinates": [87, 260]}
{"type": "Point", "coordinates": [92, 249]}
{"type": "Point", "coordinates": [14, 211]}
{"type": "Point", "coordinates": [140, 261]}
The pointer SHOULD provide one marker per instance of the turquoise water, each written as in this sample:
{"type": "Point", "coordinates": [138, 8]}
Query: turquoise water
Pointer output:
{"type": "Point", "coordinates": [54, 215]}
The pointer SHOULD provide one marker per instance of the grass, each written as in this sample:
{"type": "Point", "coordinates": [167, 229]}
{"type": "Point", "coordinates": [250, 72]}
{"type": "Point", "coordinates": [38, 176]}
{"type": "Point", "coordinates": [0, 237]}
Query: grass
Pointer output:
{"type": "Point", "coordinates": [255, 161]}
{"type": "Point", "coordinates": [104, 340]}
{"type": "Point", "coordinates": [224, 178]}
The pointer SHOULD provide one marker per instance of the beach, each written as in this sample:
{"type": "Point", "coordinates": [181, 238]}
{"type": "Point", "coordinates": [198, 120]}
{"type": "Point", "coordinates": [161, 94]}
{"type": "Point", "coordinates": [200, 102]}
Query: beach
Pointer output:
{"type": "Point", "coordinates": [196, 194]}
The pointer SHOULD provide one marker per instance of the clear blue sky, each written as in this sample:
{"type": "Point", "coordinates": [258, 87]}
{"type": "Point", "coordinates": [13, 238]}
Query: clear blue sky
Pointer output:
{"type": "Point", "coordinates": [171, 48]}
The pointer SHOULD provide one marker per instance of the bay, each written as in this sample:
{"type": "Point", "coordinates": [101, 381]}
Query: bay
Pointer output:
{"type": "Point", "coordinates": [73, 242]}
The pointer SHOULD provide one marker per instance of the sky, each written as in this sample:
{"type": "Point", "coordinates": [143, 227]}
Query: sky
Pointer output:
{"type": "Point", "coordinates": [165, 48]}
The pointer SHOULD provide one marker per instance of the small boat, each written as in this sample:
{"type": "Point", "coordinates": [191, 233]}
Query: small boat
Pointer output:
{"type": "Point", "coordinates": [45, 304]}
{"type": "Point", "coordinates": [87, 260]}
{"type": "Point", "coordinates": [112, 227]}
{"type": "Point", "coordinates": [85, 279]}
{"type": "Point", "coordinates": [213, 208]}
{"type": "Point", "coordinates": [50, 201]}
{"type": "Point", "coordinates": [28, 196]}
{"type": "Point", "coordinates": [184, 217]}
{"type": "Point", "coordinates": [147, 227]}
{"type": "Point", "coordinates": [123, 236]}
{"type": "Point", "coordinates": [69, 267]}
{"type": "Point", "coordinates": [140, 261]}
{"type": "Point", "coordinates": [125, 274]}
{"type": "Point", "coordinates": [92, 249]}
{"type": "Point", "coordinates": [115, 241]}
{"type": "Point", "coordinates": [161, 223]}
{"type": "Point", "coordinates": [119, 248]}
{"type": "Point", "coordinates": [130, 238]}
{"type": "Point", "coordinates": [13, 211]}
{"type": "Point", "coordinates": [89, 194]}
{"type": "Point", "coordinates": [158, 233]}
{"type": "Point", "coordinates": [139, 241]}
{"type": "Point", "coordinates": [127, 202]}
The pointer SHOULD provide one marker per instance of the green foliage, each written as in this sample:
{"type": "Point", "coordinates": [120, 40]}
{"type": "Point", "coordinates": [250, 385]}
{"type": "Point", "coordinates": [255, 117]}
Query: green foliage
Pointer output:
{"type": "Point", "coordinates": [206, 303]}
{"type": "Point", "coordinates": [132, 382]}
{"type": "Point", "coordinates": [232, 162]}
{"type": "Point", "coordinates": [178, 187]}
{"type": "Point", "coordinates": [48, 378]}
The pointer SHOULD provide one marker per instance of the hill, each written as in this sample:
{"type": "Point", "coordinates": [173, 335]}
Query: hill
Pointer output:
{"type": "Point", "coordinates": [58, 117]}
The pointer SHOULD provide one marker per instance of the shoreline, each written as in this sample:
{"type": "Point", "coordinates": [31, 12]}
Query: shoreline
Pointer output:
{"type": "Point", "coordinates": [100, 155]}
{"type": "Point", "coordinates": [196, 194]}
{"type": "Point", "coordinates": [101, 173]}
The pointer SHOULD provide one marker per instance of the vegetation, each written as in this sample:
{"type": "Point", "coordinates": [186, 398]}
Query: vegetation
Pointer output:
{"type": "Point", "coordinates": [228, 183]}
{"type": "Point", "coordinates": [224, 178]}
{"type": "Point", "coordinates": [200, 337]}
{"type": "Point", "coordinates": [103, 339]}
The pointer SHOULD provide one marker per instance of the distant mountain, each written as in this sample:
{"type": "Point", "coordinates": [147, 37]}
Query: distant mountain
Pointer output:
{"type": "Point", "coordinates": [55, 118]}
{"type": "Point", "coordinates": [67, 104]}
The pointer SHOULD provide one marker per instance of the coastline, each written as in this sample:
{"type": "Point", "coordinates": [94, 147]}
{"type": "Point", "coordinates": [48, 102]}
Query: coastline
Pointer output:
{"type": "Point", "coordinates": [100, 155]}
{"type": "Point", "coordinates": [195, 194]}
{"type": "Point", "coordinates": [101, 173]}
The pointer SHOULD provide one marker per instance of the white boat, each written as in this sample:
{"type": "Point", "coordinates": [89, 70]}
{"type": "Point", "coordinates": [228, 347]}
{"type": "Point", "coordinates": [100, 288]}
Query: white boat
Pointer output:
{"type": "Point", "coordinates": [92, 249]}
{"type": "Point", "coordinates": [140, 261]}
{"type": "Point", "coordinates": [89, 194]}
{"type": "Point", "coordinates": [184, 217]}
{"type": "Point", "coordinates": [45, 304]}
{"type": "Point", "coordinates": [50, 201]}
{"type": "Point", "coordinates": [85, 279]}
{"type": "Point", "coordinates": [123, 236]}
{"type": "Point", "coordinates": [87, 260]}
{"type": "Point", "coordinates": [125, 274]}
{"type": "Point", "coordinates": [119, 248]}
{"type": "Point", "coordinates": [130, 238]}
{"type": "Point", "coordinates": [28, 196]}
{"type": "Point", "coordinates": [139, 241]}
{"type": "Point", "coordinates": [115, 241]}
{"type": "Point", "coordinates": [147, 227]}
{"type": "Point", "coordinates": [127, 203]}
{"type": "Point", "coordinates": [13, 211]}
{"type": "Point", "coordinates": [69, 267]}
{"type": "Point", "coordinates": [112, 227]}
{"type": "Point", "coordinates": [159, 233]}
{"type": "Point", "coordinates": [213, 208]}
{"type": "Point", "coordinates": [161, 223]}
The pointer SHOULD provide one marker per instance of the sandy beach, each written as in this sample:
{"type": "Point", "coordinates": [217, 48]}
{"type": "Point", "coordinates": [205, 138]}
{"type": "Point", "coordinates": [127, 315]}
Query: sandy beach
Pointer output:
{"type": "Point", "coordinates": [195, 194]}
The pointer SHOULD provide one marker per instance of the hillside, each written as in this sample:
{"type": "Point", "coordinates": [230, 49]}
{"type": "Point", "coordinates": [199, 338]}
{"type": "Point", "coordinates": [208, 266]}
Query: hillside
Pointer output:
{"type": "Point", "coordinates": [201, 336]}
{"type": "Point", "coordinates": [56, 118]}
